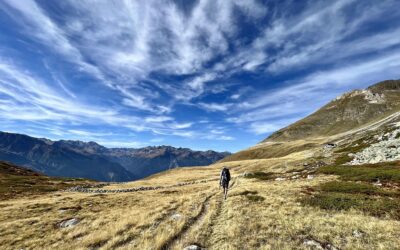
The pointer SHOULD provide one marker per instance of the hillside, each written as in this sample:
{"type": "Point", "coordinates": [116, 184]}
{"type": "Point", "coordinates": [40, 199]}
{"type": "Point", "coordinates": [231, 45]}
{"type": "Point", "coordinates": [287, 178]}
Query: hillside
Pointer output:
{"type": "Point", "coordinates": [16, 181]}
{"type": "Point", "coordinates": [349, 112]}
{"type": "Point", "coordinates": [52, 159]}
{"type": "Point", "coordinates": [90, 160]}
{"type": "Point", "coordinates": [339, 191]}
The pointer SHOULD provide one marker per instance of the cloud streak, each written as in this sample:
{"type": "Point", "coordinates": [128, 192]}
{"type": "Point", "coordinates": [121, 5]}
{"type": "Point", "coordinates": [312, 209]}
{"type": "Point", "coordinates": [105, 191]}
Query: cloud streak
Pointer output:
{"type": "Point", "coordinates": [159, 68]}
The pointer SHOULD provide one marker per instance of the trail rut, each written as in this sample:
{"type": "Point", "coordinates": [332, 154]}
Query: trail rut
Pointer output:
{"type": "Point", "coordinates": [188, 226]}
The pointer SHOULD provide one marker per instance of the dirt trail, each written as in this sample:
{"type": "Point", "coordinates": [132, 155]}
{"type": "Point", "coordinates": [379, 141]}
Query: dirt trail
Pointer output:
{"type": "Point", "coordinates": [189, 226]}
{"type": "Point", "coordinates": [198, 224]}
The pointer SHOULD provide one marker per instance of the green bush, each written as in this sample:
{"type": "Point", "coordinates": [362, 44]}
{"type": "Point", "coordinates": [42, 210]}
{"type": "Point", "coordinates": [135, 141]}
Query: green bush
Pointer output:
{"type": "Point", "coordinates": [376, 206]}
{"type": "Point", "coordinates": [260, 175]}
{"type": "Point", "coordinates": [387, 172]}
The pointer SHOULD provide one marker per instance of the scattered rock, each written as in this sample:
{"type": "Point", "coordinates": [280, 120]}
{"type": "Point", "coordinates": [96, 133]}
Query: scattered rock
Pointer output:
{"type": "Point", "coordinates": [96, 189]}
{"type": "Point", "coordinates": [386, 149]}
{"type": "Point", "coordinates": [246, 174]}
{"type": "Point", "coordinates": [377, 183]}
{"type": "Point", "coordinates": [68, 223]}
{"type": "Point", "coordinates": [176, 216]}
{"type": "Point", "coordinates": [358, 233]}
{"type": "Point", "coordinates": [330, 145]}
{"type": "Point", "coordinates": [318, 245]}
{"type": "Point", "coordinates": [310, 177]}
{"type": "Point", "coordinates": [280, 179]}
{"type": "Point", "coordinates": [192, 247]}
{"type": "Point", "coordinates": [313, 243]}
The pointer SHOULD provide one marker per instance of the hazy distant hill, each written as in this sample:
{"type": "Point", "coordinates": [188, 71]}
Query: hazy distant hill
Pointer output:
{"type": "Point", "coordinates": [53, 159]}
{"type": "Point", "coordinates": [150, 160]}
{"type": "Point", "coordinates": [91, 160]}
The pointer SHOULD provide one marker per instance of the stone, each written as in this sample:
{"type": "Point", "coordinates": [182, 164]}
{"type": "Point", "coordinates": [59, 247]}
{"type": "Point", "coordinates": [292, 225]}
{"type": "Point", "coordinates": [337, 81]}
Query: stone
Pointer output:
{"type": "Point", "coordinates": [68, 223]}
{"type": "Point", "coordinates": [313, 243]}
{"type": "Point", "coordinates": [358, 233]}
{"type": "Point", "coordinates": [280, 179]}
{"type": "Point", "coordinates": [317, 245]}
{"type": "Point", "coordinates": [176, 216]}
{"type": "Point", "coordinates": [310, 177]}
{"type": "Point", "coordinates": [192, 247]}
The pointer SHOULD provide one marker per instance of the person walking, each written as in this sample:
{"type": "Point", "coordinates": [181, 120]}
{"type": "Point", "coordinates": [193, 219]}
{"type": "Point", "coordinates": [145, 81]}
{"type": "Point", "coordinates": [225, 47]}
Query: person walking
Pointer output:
{"type": "Point", "coordinates": [224, 179]}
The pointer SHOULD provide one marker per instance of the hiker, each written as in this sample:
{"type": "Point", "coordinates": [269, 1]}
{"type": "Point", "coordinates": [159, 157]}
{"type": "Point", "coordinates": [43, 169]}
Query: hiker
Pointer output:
{"type": "Point", "coordinates": [224, 180]}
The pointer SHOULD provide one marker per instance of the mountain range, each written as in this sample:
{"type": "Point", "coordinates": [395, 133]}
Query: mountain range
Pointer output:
{"type": "Point", "coordinates": [339, 166]}
{"type": "Point", "coordinates": [90, 160]}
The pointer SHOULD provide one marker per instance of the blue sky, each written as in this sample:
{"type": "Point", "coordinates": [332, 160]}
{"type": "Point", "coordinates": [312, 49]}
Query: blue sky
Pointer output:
{"type": "Point", "coordinates": [212, 74]}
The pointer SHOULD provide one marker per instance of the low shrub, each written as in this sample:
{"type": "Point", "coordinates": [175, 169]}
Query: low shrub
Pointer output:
{"type": "Point", "coordinates": [375, 206]}
{"type": "Point", "coordinates": [385, 172]}
{"type": "Point", "coordinates": [260, 175]}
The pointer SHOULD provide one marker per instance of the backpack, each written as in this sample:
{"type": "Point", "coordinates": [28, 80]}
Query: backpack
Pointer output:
{"type": "Point", "coordinates": [226, 176]}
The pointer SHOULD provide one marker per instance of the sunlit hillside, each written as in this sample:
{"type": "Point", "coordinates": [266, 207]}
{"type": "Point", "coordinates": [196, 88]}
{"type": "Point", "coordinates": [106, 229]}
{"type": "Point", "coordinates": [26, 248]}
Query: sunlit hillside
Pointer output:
{"type": "Point", "coordinates": [339, 191]}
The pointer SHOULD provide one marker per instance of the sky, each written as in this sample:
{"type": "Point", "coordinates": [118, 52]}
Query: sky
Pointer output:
{"type": "Point", "coordinates": [215, 74]}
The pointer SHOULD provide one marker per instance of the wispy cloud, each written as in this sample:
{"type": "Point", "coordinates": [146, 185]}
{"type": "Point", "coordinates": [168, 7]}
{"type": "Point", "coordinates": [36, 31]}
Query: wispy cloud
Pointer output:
{"type": "Point", "coordinates": [157, 68]}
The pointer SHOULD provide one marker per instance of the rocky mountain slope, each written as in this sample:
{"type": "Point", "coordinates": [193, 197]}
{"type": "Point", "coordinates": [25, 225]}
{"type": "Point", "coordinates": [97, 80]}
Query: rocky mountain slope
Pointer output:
{"type": "Point", "coordinates": [343, 119]}
{"type": "Point", "coordinates": [91, 160]}
{"type": "Point", "coordinates": [348, 111]}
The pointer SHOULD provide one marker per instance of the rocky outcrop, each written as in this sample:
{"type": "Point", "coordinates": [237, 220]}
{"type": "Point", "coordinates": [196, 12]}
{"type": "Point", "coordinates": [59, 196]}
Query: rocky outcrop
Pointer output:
{"type": "Point", "coordinates": [386, 149]}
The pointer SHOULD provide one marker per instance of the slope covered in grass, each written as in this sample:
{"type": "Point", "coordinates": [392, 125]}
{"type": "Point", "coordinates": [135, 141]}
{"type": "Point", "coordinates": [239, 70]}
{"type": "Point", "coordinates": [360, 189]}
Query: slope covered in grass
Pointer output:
{"type": "Point", "coordinates": [17, 181]}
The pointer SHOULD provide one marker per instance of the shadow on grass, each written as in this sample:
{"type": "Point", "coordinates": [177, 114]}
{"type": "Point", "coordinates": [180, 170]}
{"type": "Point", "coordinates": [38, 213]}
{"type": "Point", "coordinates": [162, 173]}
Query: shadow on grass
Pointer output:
{"type": "Point", "coordinates": [251, 196]}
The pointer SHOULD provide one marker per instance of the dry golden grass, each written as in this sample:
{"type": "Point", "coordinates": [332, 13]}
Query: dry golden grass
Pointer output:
{"type": "Point", "coordinates": [258, 214]}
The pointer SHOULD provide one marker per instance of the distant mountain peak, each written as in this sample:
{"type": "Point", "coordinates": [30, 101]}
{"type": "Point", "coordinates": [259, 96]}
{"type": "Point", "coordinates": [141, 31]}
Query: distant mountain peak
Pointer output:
{"type": "Point", "coordinates": [74, 158]}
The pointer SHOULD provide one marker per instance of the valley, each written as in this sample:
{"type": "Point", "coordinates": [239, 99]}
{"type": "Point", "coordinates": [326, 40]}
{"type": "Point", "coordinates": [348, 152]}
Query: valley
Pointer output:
{"type": "Point", "coordinates": [301, 188]}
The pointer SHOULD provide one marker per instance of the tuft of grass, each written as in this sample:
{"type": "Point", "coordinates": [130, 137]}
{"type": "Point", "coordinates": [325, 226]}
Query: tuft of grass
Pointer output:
{"type": "Point", "coordinates": [255, 198]}
{"type": "Point", "coordinates": [349, 187]}
{"type": "Point", "coordinates": [261, 175]}
{"type": "Point", "coordinates": [342, 159]}
{"type": "Point", "coordinates": [385, 172]}
{"type": "Point", "coordinates": [248, 193]}
{"type": "Point", "coordinates": [252, 196]}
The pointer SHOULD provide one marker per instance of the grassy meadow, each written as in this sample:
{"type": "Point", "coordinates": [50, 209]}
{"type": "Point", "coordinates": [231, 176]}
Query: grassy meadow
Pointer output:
{"type": "Point", "coordinates": [261, 212]}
